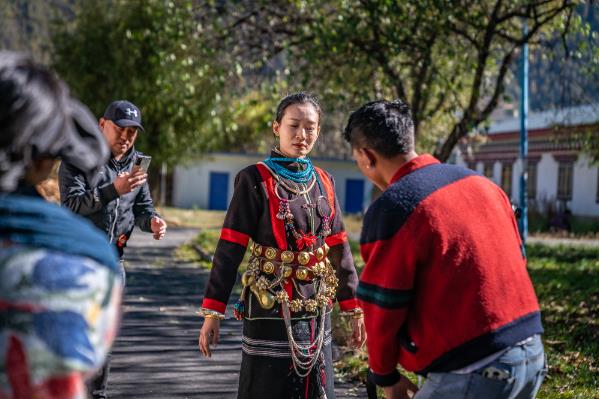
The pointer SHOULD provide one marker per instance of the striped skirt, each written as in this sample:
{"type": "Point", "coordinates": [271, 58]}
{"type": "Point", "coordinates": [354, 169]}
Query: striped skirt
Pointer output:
{"type": "Point", "coordinates": [266, 366]}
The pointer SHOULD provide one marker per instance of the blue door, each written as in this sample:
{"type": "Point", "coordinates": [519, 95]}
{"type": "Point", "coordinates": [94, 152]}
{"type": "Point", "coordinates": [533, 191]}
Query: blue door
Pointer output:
{"type": "Point", "coordinates": [219, 187]}
{"type": "Point", "coordinates": [354, 195]}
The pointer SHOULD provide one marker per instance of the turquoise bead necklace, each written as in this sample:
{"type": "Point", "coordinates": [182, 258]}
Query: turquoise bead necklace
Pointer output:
{"type": "Point", "coordinates": [301, 176]}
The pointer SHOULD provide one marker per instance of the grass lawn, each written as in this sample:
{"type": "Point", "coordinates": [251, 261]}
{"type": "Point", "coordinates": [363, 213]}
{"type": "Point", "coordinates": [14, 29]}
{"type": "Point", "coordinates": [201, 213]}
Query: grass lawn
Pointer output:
{"type": "Point", "coordinates": [566, 280]}
{"type": "Point", "coordinates": [198, 218]}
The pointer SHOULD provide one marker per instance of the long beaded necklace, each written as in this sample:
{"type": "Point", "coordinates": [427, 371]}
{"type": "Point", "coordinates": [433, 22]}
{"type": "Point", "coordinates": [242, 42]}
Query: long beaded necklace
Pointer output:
{"type": "Point", "coordinates": [303, 360]}
{"type": "Point", "coordinates": [304, 356]}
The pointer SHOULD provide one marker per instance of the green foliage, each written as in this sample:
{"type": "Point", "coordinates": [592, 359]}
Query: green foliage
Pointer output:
{"type": "Point", "coordinates": [193, 218]}
{"type": "Point", "coordinates": [242, 122]}
{"type": "Point", "coordinates": [445, 58]}
{"type": "Point", "coordinates": [581, 226]}
{"type": "Point", "coordinates": [537, 221]}
{"type": "Point", "coordinates": [152, 53]}
{"type": "Point", "coordinates": [25, 25]}
{"type": "Point", "coordinates": [588, 137]}
{"type": "Point", "coordinates": [206, 240]}
{"type": "Point", "coordinates": [585, 225]}
{"type": "Point", "coordinates": [207, 75]}
{"type": "Point", "coordinates": [450, 60]}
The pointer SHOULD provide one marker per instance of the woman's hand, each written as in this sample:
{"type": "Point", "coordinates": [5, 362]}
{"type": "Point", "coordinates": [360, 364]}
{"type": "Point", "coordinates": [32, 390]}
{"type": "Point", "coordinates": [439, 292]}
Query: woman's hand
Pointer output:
{"type": "Point", "coordinates": [403, 389]}
{"type": "Point", "coordinates": [358, 332]}
{"type": "Point", "coordinates": [208, 335]}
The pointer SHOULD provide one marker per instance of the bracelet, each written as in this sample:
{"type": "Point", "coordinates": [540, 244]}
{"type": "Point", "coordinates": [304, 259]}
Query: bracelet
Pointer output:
{"type": "Point", "coordinates": [356, 313]}
{"type": "Point", "coordinates": [210, 314]}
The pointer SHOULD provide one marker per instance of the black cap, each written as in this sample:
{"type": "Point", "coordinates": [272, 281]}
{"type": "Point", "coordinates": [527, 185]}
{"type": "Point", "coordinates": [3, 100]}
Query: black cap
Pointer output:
{"type": "Point", "coordinates": [124, 114]}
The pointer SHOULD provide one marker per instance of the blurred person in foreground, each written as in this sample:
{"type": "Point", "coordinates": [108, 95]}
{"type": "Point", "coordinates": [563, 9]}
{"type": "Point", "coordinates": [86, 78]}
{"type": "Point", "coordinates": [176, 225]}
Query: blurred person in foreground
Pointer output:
{"type": "Point", "coordinates": [117, 198]}
{"type": "Point", "coordinates": [445, 289]}
{"type": "Point", "coordinates": [60, 287]}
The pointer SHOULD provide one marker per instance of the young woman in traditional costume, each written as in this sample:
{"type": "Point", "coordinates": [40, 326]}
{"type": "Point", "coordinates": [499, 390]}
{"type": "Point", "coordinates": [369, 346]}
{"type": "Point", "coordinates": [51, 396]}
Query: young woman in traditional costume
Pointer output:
{"type": "Point", "coordinates": [300, 263]}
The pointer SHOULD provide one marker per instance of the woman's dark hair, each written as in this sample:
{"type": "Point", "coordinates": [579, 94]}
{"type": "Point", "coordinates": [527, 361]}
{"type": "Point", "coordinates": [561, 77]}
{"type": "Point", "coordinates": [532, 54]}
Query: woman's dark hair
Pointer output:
{"type": "Point", "coordinates": [385, 126]}
{"type": "Point", "coordinates": [297, 98]}
{"type": "Point", "coordinates": [38, 119]}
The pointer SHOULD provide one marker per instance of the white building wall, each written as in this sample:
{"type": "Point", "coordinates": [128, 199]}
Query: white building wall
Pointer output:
{"type": "Point", "coordinates": [584, 187]}
{"type": "Point", "coordinates": [497, 173]}
{"type": "Point", "coordinates": [191, 184]}
{"type": "Point", "coordinates": [516, 171]}
{"type": "Point", "coordinates": [479, 167]}
{"type": "Point", "coordinates": [584, 190]}
{"type": "Point", "coordinates": [341, 172]}
{"type": "Point", "coordinates": [458, 159]}
{"type": "Point", "coordinates": [547, 178]}
{"type": "Point", "coordinates": [185, 193]}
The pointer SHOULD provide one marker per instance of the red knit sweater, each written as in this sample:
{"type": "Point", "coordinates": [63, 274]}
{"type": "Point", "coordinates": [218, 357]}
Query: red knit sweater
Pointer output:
{"type": "Point", "coordinates": [445, 282]}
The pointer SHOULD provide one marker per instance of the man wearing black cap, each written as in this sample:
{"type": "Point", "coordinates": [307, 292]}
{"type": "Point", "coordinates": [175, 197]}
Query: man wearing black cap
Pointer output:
{"type": "Point", "coordinates": [118, 197]}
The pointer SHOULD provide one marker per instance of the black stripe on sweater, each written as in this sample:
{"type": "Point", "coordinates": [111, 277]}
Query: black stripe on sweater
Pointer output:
{"type": "Point", "coordinates": [384, 297]}
{"type": "Point", "coordinates": [391, 210]}
{"type": "Point", "coordinates": [487, 344]}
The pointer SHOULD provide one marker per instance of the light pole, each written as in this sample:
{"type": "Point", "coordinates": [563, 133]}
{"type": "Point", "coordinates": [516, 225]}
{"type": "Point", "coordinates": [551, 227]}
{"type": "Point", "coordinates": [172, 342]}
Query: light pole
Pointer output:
{"type": "Point", "coordinates": [523, 221]}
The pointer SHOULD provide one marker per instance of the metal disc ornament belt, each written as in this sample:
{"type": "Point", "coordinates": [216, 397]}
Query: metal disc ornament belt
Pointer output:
{"type": "Point", "coordinates": [269, 270]}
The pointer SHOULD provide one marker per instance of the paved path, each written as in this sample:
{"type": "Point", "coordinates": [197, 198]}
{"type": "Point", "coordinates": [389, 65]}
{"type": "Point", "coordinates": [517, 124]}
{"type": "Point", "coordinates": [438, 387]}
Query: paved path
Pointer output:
{"type": "Point", "coordinates": [555, 241]}
{"type": "Point", "coordinates": [536, 239]}
{"type": "Point", "coordinates": [156, 355]}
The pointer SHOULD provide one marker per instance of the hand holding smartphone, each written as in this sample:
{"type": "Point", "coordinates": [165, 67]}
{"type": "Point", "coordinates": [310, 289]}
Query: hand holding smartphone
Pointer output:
{"type": "Point", "coordinates": [143, 162]}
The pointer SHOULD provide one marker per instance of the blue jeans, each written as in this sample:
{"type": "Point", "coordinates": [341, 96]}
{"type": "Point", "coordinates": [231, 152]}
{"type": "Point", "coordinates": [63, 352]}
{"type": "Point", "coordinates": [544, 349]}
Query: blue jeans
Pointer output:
{"type": "Point", "coordinates": [517, 374]}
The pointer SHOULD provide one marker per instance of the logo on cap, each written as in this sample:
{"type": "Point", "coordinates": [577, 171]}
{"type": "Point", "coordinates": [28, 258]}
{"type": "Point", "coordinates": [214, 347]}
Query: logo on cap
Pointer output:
{"type": "Point", "coordinates": [130, 112]}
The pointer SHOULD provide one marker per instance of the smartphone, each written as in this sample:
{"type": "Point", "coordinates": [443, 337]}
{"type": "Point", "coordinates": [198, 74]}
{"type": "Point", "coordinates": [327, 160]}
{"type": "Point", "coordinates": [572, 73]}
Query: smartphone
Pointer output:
{"type": "Point", "coordinates": [143, 162]}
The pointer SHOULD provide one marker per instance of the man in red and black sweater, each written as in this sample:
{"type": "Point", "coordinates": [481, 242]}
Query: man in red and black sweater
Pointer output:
{"type": "Point", "coordinates": [445, 289]}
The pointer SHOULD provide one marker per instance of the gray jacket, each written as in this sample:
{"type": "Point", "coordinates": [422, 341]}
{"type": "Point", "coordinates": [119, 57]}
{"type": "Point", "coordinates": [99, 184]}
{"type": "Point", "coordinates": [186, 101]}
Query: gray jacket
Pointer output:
{"type": "Point", "coordinates": [115, 215]}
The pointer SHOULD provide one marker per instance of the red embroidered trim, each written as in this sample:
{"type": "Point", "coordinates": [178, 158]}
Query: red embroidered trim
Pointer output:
{"type": "Point", "coordinates": [348, 304]}
{"type": "Point", "coordinates": [278, 225]}
{"type": "Point", "coordinates": [234, 236]}
{"type": "Point", "coordinates": [215, 305]}
{"type": "Point", "coordinates": [336, 239]}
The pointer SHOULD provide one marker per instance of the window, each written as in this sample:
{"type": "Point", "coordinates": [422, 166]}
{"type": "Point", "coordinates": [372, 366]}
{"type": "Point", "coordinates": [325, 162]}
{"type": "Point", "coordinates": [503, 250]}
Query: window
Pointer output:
{"type": "Point", "coordinates": [488, 170]}
{"type": "Point", "coordinates": [506, 179]}
{"type": "Point", "coordinates": [564, 181]}
{"type": "Point", "coordinates": [531, 182]}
